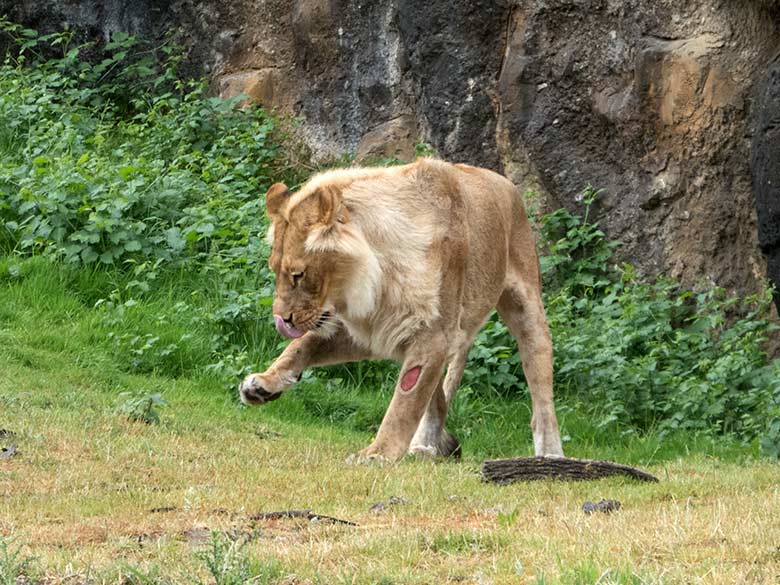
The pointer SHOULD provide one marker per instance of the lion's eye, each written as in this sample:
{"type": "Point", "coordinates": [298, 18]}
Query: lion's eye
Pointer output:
{"type": "Point", "coordinates": [296, 277]}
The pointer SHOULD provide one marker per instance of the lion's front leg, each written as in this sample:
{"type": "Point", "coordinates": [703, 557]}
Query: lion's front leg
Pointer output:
{"type": "Point", "coordinates": [420, 376]}
{"type": "Point", "coordinates": [302, 353]}
{"type": "Point", "coordinates": [260, 388]}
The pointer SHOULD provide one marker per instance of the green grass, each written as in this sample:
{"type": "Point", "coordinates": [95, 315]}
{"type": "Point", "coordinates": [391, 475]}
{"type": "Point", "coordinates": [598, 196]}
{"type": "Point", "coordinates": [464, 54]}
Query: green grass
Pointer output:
{"type": "Point", "coordinates": [79, 497]}
{"type": "Point", "coordinates": [109, 347]}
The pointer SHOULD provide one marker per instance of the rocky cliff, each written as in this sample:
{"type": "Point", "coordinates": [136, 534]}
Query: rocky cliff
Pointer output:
{"type": "Point", "coordinates": [656, 102]}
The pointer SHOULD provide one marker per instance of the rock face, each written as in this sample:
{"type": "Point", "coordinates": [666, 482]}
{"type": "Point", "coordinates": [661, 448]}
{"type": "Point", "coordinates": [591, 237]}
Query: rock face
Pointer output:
{"type": "Point", "coordinates": [766, 170]}
{"type": "Point", "coordinates": [653, 101]}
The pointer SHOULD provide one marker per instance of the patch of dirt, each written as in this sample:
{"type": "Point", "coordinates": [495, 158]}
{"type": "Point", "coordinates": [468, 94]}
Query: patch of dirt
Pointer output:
{"type": "Point", "coordinates": [197, 536]}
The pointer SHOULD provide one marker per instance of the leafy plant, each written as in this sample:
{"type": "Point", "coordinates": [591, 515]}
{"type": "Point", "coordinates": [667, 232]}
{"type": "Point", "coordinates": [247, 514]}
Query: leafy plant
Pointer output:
{"type": "Point", "coordinates": [769, 443]}
{"type": "Point", "coordinates": [579, 252]}
{"type": "Point", "coordinates": [141, 406]}
{"type": "Point", "coordinates": [507, 519]}
{"type": "Point", "coordinates": [424, 149]}
{"type": "Point", "coordinates": [229, 565]}
{"type": "Point", "coordinates": [118, 163]}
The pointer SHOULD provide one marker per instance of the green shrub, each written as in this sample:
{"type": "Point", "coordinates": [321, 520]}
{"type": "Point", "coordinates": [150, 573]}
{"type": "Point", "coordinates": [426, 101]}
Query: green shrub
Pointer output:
{"type": "Point", "coordinates": [643, 355]}
{"type": "Point", "coordinates": [136, 175]}
{"type": "Point", "coordinates": [115, 165]}
{"type": "Point", "coordinates": [578, 253]}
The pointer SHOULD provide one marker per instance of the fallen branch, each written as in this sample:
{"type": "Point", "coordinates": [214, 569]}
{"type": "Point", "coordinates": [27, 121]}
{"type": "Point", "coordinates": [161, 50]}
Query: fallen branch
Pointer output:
{"type": "Point", "coordinates": [561, 468]}
{"type": "Point", "coordinates": [308, 514]}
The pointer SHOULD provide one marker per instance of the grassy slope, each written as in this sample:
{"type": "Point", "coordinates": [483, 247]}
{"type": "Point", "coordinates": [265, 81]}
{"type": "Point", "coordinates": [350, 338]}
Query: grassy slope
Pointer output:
{"type": "Point", "coordinates": [80, 494]}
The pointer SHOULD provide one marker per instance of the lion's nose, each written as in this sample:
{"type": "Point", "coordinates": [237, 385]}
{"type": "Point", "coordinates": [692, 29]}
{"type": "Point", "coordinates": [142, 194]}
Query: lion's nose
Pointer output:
{"type": "Point", "coordinates": [289, 319]}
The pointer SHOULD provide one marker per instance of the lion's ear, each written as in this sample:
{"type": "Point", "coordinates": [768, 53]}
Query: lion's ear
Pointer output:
{"type": "Point", "coordinates": [276, 198]}
{"type": "Point", "coordinates": [332, 207]}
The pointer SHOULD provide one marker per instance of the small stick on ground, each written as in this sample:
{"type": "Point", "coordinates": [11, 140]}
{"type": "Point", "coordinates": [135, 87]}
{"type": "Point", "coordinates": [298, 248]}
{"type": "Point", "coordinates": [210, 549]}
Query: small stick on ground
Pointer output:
{"type": "Point", "coordinates": [562, 468]}
{"type": "Point", "coordinates": [308, 514]}
{"type": "Point", "coordinates": [7, 453]}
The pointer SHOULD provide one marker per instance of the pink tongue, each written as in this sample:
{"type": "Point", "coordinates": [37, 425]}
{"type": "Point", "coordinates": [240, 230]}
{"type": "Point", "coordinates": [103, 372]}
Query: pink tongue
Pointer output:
{"type": "Point", "coordinates": [285, 329]}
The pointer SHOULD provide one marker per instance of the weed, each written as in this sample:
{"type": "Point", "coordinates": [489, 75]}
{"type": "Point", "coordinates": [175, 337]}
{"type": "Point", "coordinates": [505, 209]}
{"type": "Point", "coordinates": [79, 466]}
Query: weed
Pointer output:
{"type": "Point", "coordinates": [589, 573]}
{"type": "Point", "coordinates": [462, 542]}
{"type": "Point", "coordinates": [15, 565]}
{"type": "Point", "coordinates": [579, 251]}
{"type": "Point", "coordinates": [424, 149]}
{"type": "Point", "coordinates": [507, 519]}
{"type": "Point", "coordinates": [116, 165]}
{"type": "Point", "coordinates": [229, 565]}
{"type": "Point", "coordinates": [141, 406]}
{"type": "Point", "coordinates": [136, 576]}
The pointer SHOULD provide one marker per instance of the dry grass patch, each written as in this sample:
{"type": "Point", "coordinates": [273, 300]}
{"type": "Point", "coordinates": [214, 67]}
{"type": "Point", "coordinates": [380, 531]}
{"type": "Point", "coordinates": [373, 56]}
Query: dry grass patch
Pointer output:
{"type": "Point", "coordinates": [93, 493]}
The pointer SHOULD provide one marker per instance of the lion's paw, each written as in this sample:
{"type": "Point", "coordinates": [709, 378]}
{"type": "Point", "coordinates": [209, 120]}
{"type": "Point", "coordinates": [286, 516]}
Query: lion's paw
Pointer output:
{"type": "Point", "coordinates": [424, 451]}
{"type": "Point", "coordinates": [254, 392]}
{"type": "Point", "coordinates": [374, 455]}
{"type": "Point", "coordinates": [360, 458]}
{"type": "Point", "coordinates": [447, 446]}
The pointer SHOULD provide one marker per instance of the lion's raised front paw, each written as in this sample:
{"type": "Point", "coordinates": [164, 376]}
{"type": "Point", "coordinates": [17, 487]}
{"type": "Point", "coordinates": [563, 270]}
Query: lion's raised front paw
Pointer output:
{"type": "Point", "coordinates": [253, 391]}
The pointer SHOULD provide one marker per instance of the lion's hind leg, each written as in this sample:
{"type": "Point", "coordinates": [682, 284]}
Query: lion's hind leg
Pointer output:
{"type": "Point", "coordinates": [521, 309]}
{"type": "Point", "coordinates": [431, 438]}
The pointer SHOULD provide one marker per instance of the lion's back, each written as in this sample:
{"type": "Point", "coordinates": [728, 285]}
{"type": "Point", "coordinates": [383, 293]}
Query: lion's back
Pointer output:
{"type": "Point", "coordinates": [484, 219]}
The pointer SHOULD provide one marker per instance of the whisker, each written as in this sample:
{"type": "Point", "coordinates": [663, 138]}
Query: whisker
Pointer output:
{"type": "Point", "coordinates": [323, 319]}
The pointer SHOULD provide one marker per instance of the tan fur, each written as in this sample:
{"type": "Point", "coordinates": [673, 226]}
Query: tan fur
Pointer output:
{"type": "Point", "coordinates": [406, 263]}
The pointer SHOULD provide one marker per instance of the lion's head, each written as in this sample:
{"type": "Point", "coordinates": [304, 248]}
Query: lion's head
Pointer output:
{"type": "Point", "coordinates": [323, 265]}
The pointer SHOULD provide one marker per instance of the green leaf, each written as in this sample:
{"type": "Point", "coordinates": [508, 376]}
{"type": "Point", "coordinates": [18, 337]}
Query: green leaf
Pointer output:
{"type": "Point", "coordinates": [88, 255]}
{"type": "Point", "coordinates": [174, 239]}
{"type": "Point", "coordinates": [205, 228]}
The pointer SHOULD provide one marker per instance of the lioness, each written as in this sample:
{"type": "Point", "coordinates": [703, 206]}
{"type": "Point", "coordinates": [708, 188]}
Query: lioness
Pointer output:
{"type": "Point", "coordinates": [406, 263]}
